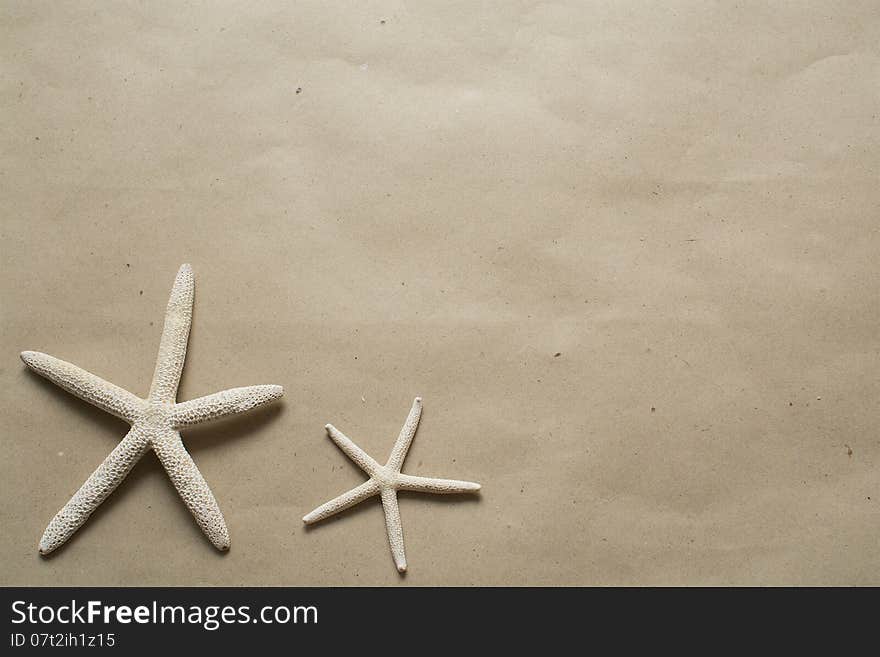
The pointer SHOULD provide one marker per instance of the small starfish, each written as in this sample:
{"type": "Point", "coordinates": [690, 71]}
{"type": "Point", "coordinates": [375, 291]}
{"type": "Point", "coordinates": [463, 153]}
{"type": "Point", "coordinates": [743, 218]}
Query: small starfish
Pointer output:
{"type": "Point", "coordinates": [385, 481]}
{"type": "Point", "coordinates": [155, 424]}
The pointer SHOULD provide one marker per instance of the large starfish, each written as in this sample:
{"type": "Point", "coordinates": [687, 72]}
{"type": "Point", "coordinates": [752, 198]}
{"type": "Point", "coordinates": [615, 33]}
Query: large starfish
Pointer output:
{"type": "Point", "coordinates": [385, 481]}
{"type": "Point", "coordinates": [155, 424]}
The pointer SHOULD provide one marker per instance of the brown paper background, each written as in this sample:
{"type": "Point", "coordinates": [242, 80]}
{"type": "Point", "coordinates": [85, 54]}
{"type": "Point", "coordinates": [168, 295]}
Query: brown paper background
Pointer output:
{"type": "Point", "coordinates": [681, 199]}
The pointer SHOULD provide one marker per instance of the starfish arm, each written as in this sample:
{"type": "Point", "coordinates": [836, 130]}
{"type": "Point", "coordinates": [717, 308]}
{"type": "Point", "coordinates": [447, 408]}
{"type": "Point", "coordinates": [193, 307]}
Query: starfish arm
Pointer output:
{"type": "Point", "coordinates": [344, 501]}
{"type": "Point", "coordinates": [394, 527]}
{"type": "Point", "coordinates": [172, 348]}
{"type": "Point", "coordinates": [432, 485]}
{"type": "Point", "coordinates": [95, 490]}
{"type": "Point", "coordinates": [364, 461]}
{"type": "Point", "coordinates": [223, 404]}
{"type": "Point", "coordinates": [192, 488]}
{"type": "Point", "coordinates": [85, 385]}
{"type": "Point", "coordinates": [404, 440]}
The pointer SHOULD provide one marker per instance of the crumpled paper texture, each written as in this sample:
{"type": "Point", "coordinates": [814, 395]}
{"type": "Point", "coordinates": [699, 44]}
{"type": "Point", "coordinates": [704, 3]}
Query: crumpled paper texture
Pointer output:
{"type": "Point", "coordinates": [626, 251]}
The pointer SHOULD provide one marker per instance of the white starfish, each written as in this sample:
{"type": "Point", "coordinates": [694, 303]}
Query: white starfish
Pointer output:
{"type": "Point", "coordinates": [385, 481]}
{"type": "Point", "coordinates": [155, 423]}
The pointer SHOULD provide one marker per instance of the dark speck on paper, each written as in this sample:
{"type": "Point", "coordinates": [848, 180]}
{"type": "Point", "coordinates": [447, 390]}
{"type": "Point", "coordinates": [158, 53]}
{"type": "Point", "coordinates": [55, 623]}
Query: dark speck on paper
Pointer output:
{"type": "Point", "coordinates": [557, 354]}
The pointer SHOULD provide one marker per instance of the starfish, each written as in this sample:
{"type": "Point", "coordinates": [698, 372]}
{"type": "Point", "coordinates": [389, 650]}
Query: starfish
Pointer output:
{"type": "Point", "coordinates": [155, 424]}
{"type": "Point", "coordinates": [385, 481]}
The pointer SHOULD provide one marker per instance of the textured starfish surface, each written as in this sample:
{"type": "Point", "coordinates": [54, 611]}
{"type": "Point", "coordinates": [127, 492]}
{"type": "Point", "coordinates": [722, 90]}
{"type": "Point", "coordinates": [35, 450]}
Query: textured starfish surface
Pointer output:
{"type": "Point", "coordinates": [155, 424]}
{"type": "Point", "coordinates": [385, 481]}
